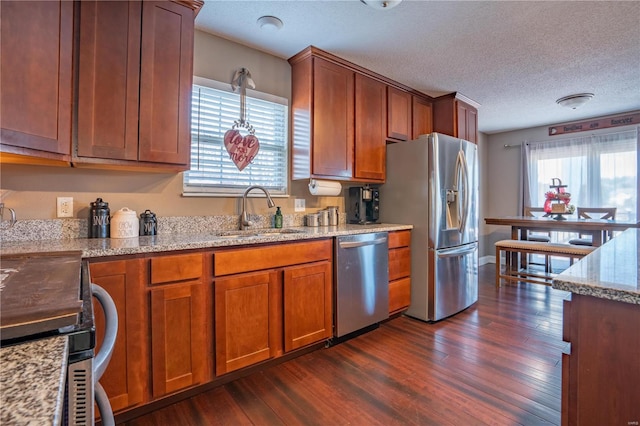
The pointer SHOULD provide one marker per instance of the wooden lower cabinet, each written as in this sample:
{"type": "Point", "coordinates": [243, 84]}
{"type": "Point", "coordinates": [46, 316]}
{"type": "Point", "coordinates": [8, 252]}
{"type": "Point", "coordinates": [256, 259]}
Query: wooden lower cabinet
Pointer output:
{"type": "Point", "coordinates": [399, 271]}
{"type": "Point", "coordinates": [601, 372]}
{"type": "Point", "coordinates": [307, 304]}
{"type": "Point", "coordinates": [126, 377]}
{"type": "Point", "coordinates": [247, 320]}
{"type": "Point", "coordinates": [180, 336]}
{"type": "Point", "coordinates": [165, 326]}
{"type": "Point", "coordinates": [270, 300]}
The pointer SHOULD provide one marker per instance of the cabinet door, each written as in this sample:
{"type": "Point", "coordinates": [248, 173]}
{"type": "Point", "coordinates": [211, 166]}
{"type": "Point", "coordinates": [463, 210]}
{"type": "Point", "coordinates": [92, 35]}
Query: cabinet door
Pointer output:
{"type": "Point", "coordinates": [370, 134]}
{"type": "Point", "coordinates": [472, 125]}
{"type": "Point", "coordinates": [126, 376]}
{"type": "Point", "coordinates": [422, 117]}
{"type": "Point", "coordinates": [307, 305]}
{"type": "Point", "coordinates": [36, 75]}
{"type": "Point", "coordinates": [467, 119]}
{"type": "Point", "coordinates": [165, 82]}
{"type": "Point", "coordinates": [248, 320]}
{"type": "Point", "coordinates": [333, 115]}
{"type": "Point", "coordinates": [180, 324]}
{"type": "Point", "coordinates": [109, 74]}
{"type": "Point", "coordinates": [398, 114]}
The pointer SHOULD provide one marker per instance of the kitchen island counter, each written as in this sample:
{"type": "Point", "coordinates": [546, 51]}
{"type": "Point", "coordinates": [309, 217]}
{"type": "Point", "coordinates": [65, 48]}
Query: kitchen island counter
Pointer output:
{"type": "Point", "coordinates": [610, 272]}
{"type": "Point", "coordinates": [32, 380]}
{"type": "Point", "coordinates": [600, 367]}
{"type": "Point", "coordinates": [101, 247]}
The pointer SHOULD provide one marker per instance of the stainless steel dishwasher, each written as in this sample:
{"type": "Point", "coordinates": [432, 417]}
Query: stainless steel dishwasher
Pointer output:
{"type": "Point", "coordinates": [362, 281]}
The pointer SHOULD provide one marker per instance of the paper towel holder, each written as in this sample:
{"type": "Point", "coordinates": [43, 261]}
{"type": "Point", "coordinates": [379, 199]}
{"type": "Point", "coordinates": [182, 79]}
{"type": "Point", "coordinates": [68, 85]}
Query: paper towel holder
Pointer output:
{"type": "Point", "coordinates": [324, 187]}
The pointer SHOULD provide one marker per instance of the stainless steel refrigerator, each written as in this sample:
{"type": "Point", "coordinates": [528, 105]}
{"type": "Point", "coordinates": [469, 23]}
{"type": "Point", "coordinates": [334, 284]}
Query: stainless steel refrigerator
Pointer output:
{"type": "Point", "coordinates": [432, 183]}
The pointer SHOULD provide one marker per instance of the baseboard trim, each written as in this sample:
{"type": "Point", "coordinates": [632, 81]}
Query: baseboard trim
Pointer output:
{"type": "Point", "coordinates": [486, 259]}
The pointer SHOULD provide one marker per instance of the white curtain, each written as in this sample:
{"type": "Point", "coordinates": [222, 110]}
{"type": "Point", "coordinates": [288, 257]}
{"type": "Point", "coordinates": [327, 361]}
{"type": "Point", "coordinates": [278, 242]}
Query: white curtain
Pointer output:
{"type": "Point", "coordinates": [599, 171]}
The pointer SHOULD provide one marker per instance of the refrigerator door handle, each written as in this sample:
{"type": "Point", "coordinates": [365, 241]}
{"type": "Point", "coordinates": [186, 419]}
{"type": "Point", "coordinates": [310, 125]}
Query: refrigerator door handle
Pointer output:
{"type": "Point", "coordinates": [458, 251]}
{"type": "Point", "coordinates": [463, 171]}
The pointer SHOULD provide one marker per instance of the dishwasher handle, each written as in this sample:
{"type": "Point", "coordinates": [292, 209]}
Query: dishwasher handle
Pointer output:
{"type": "Point", "coordinates": [354, 244]}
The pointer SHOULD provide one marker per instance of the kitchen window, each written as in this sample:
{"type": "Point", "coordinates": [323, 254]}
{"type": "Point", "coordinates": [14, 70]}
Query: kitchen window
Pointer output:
{"type": "Point", "coordinates": [599, 171]}
{"type": "Point", "coordinates": [214, 108]}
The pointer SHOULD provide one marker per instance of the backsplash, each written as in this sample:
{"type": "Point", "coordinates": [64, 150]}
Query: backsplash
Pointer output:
{"type": "Point", "coordinates": [60, 229]}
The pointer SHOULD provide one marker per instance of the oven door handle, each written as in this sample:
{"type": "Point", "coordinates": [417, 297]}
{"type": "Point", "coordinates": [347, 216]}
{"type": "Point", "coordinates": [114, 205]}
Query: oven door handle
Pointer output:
{"type": "Point", "coordinates": [111, 331]}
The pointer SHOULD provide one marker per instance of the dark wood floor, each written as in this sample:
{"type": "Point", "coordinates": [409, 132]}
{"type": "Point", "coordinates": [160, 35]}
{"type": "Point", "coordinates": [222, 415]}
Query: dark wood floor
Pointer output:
{"type": "Point", "coordinates": [498, 363]}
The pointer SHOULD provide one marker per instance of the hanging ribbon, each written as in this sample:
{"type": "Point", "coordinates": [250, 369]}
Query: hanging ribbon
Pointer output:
{"type": "Point", "coordinates": [242, 150]}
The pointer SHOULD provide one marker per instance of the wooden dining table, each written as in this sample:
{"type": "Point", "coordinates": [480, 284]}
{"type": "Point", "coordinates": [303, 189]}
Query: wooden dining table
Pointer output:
{"type": "Point", "coordinates": [599, 229]}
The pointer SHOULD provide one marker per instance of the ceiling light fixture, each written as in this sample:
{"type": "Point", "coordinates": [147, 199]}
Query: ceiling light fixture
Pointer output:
{"type": "Point", "coordinates": [270, 23]}
{"type": "Point", "coordinates": [575, 101]}
{"type": "Point", "coordinates": [381, 4]}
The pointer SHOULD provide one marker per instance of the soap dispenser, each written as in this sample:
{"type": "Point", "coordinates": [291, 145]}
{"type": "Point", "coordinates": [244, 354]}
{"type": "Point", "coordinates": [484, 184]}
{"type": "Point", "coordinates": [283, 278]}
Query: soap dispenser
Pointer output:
{"type": "Point", "coordinates": [278, 218]}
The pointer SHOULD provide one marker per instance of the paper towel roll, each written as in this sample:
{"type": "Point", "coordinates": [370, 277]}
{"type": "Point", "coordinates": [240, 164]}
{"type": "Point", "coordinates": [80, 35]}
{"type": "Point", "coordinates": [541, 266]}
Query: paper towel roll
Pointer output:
{"type": "Point", "coordinates": [324, 187]}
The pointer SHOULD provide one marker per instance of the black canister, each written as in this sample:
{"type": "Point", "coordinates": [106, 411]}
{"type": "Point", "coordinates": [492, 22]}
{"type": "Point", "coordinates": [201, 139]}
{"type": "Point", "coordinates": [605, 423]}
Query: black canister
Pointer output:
{"type": "Point", "coordinates": [148, 223]}
{"type": "Point", "coordinates": [99, 219]}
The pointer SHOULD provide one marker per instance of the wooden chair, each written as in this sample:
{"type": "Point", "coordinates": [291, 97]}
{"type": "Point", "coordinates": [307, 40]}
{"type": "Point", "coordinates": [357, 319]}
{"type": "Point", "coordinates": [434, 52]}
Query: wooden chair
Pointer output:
{"type": "Point", "coordinates": [541, 237]}
{"type": "Point", "coordinates": [593, 213]}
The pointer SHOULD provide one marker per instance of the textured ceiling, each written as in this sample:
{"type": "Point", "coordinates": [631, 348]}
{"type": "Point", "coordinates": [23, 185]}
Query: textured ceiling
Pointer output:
{"type": "Point", "coordinates": [513, 58]}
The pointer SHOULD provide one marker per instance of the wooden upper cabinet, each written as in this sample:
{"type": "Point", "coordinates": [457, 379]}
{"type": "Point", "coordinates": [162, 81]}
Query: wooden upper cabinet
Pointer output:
{"type": "Point", "coordinates": [398, 114]}
{"type": "Point", "coordinates": [333, 114]}
{"type": "Point", "coordinates": [422, 123]}
{"type": "Point", "coordinates": [467, 122]}
{"type": "Point", "coordinates": [370, 118]}
{"type": "Point", "coordinates": [322, 114]}
{"type": "Point", "coordinates": [135, 77]}
{"type": "Point", "coordinates": [36, 77]}
{"type": "Point", "coordinates": [456, 117]}
{"type": "Point", "coordinates": [108, 82]}
{"type": "Point", "coordinates": [166, 82]}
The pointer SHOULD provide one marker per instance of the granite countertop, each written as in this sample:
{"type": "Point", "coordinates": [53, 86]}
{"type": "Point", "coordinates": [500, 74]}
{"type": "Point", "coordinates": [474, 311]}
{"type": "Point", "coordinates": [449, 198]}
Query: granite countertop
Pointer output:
{"type": "Point", "coordinates": [32, 381]}
{"type": "Point", "coordinates": [100, 247]}
{"type": "Point", "coordinates": [610, 272]}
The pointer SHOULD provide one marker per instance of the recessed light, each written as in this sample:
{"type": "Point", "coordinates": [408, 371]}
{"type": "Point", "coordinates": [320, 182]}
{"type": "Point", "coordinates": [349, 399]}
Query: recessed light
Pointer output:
{"type": "Point", "coordinates": [269, 23]}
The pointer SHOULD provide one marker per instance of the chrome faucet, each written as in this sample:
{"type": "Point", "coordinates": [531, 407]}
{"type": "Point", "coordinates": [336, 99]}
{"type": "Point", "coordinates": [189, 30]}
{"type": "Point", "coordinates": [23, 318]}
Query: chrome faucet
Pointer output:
{"type": "Point", "coordinates": [244, 220]}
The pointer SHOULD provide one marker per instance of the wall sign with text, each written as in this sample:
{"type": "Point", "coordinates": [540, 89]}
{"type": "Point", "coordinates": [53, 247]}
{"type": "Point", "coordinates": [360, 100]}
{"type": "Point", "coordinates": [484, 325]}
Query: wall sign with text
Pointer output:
{"type": "Point", "coordinates": [599, 123]}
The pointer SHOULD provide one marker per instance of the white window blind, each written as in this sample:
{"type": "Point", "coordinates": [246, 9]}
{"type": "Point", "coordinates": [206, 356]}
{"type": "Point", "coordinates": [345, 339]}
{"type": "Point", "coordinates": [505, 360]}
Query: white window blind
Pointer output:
{"type": "Point", "coordinates": [213, 112]}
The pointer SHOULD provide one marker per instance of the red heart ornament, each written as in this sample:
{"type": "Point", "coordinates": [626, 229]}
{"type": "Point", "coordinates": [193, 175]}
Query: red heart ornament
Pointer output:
{"type": "Point", "coordinates": [242, 150]}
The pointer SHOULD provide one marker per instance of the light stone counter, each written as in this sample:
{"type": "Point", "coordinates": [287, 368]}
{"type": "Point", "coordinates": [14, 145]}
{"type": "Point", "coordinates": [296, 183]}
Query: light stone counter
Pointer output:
{"type": "Point", "coordinates": [32, 378]}
{"type": "Point", "coordinates": [100, 247]}
{"type": "Point", "coordinates": [610, 272]}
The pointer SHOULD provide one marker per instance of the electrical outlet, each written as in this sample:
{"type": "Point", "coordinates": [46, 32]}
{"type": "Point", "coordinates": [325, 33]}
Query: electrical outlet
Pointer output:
{"type": "Point", "coordinates": [65, 207]}
{"type": "Point", "coordinates": [299, 205]}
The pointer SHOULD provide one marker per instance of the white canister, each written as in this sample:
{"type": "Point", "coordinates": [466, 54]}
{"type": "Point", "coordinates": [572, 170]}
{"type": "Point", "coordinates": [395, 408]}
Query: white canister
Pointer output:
{"type": "Point", "coordinates": [125, 224]}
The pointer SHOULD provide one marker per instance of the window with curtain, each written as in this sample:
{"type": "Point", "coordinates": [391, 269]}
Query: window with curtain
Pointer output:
{"type": "Point", "coordinates": [214, 108]}
{"type": "Point", "coordinates": [599, 171]}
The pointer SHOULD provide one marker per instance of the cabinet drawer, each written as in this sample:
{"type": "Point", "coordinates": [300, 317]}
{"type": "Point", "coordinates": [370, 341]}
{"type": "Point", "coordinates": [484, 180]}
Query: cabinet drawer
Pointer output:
{"type": "Point", "coordinates": [399, 263]}
{"type": "Point", "coordinates": [399, 239]}
{"type": "Point", "coordinates": [399, 294]}
{"type": "Point", "coordinates": [168, 269]}
{"type": "Point", "coordinates": [236, 261]}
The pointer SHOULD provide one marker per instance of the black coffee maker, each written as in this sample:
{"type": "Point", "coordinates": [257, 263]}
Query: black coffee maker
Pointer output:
{"type": "Point", "coordinates": [363, 205]}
